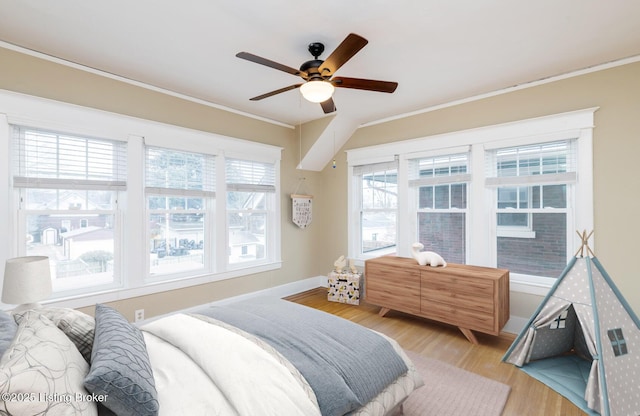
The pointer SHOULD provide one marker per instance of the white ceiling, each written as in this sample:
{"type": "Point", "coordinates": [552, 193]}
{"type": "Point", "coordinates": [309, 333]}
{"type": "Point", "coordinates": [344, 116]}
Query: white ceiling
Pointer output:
{"type": "Point", "coordinates": [438, 51]}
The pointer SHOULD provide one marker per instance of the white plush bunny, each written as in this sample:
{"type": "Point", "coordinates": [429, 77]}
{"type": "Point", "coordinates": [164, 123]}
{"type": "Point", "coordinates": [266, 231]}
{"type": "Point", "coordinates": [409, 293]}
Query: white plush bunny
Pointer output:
{"type": "Point", "coordinates": [427, 257]}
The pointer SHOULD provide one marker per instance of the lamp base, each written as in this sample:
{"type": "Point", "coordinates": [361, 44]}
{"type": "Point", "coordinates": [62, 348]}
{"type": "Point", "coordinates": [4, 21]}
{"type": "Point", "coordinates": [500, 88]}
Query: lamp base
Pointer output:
{"type": "Point", "coordinates": [26, 306]}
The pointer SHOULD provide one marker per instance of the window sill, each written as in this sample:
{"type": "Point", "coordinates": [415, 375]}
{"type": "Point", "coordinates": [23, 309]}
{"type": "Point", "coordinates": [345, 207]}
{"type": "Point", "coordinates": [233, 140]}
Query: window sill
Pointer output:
{"type": "Point", "coordinates": [531, 285]}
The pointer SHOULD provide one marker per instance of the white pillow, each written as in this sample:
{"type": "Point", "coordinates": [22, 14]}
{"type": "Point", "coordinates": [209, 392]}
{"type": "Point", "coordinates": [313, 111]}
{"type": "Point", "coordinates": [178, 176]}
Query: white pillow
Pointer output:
{"type": "Point", "coordinates": [76, 325]}
{"type": "Point", "coordinates": [42, 372]}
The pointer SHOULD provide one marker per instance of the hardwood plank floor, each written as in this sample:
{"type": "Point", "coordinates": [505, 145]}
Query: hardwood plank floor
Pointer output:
{"type": "Point", "coordinates": [528, 397]}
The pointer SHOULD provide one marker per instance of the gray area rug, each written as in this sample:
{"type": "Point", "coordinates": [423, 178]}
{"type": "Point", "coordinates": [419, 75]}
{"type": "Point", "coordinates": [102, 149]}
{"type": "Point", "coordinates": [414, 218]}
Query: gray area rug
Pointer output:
{"type": "Point", "coordinates": [451, 391]}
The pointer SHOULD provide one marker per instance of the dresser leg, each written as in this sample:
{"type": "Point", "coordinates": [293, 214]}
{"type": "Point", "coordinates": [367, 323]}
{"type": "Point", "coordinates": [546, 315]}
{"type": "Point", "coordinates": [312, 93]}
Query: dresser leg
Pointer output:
{"type": "Point", "coordinates": [383, 311]}
{"type": "Point", "coordinates": [467, 333]}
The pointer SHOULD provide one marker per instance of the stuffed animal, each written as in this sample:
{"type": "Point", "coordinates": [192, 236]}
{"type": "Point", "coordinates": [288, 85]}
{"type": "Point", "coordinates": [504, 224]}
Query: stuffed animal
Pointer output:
{"type": "Point", "coordinates": [352, 267]}
{"type": "Point", "coordinates": [427, 257]}
{"type": "Point", "coordinates": [339, 264]}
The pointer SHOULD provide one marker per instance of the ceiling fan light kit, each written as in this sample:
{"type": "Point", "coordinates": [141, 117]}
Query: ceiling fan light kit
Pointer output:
{"type": "Point", "coordinates": [319, 83]}
{"type": "Point", "coordinates": [317, 91]}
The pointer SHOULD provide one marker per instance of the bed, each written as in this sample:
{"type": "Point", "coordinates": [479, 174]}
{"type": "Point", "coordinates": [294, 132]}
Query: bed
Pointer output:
{"type": "Point", "coordinates": [263, 356]}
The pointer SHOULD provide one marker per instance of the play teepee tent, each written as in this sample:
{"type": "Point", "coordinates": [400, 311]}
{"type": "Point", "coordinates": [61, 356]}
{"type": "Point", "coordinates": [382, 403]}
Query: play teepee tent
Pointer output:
{"type": "Point", "coordinates": [584, 340]}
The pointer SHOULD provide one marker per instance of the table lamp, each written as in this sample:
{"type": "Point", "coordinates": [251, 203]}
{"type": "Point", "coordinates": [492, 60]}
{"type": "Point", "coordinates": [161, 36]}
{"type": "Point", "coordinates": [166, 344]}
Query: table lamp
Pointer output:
{"type": "Point", "coordinates": [27, 280]}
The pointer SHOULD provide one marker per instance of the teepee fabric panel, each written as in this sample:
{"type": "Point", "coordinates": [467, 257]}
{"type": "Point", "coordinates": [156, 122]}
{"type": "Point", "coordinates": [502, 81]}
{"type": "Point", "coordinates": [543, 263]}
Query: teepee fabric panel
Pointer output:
{"type": "Point", "coordinates": [522, 351]}
{"type": "Point", "coordinates": [606, 332]}
{"type": "Point", "coordinates": [620, 350]}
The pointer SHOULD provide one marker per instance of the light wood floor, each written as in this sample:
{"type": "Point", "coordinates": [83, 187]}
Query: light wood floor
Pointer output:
{"type": "Point", "coordinates": [528, 396]}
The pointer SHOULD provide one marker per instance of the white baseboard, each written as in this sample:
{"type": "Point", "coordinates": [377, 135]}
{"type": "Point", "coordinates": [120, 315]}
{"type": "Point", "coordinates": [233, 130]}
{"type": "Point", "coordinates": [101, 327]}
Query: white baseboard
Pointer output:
{"type": "Point", "coordinates": [281, 291]}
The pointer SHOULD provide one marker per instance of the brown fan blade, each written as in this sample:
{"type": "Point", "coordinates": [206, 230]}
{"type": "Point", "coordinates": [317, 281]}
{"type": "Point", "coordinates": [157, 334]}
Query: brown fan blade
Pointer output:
{"type": "Point", "coordinates": [271, 64]}
{"type": "Point", "coordinates": [365, 84]}
{"type": "Point", "coordinates": [328, 106]}
{"type": "Point", "coordinates": [345, 51]}
{"type": "Point", "coordinates": [272, 93]}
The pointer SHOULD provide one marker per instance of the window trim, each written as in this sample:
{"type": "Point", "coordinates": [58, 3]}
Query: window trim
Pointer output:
{"type": "Point", "coordinates": [40, 113]}
{"type": "Point", "coordinates": [550, 128]}
{"type": "Point", "coordinates": [381, 164]}
{"type": "Point", "coordinates": [208, 194]}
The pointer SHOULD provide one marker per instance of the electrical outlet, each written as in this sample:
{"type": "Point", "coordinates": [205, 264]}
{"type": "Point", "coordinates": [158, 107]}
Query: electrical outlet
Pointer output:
{"type": "Point", "coordinates": [138, 315]}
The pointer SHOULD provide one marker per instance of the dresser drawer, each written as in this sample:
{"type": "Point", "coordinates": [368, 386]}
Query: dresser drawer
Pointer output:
{"type": "Point", "coordinates": [462, 317]}
{"type": "Point", "coordinates": [393, 288]}
{"type": "Point", "coordinates": [466, 292]}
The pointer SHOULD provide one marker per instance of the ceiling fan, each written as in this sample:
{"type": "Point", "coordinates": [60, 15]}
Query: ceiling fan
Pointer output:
{"type": "Point", "coordinates": [318, 74]}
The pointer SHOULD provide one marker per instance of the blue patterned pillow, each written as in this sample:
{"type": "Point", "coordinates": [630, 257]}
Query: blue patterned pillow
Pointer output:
{"type": "Point", "coordinates": [120, 366]}
{"type": "Point", "coordinates": [8, 328]}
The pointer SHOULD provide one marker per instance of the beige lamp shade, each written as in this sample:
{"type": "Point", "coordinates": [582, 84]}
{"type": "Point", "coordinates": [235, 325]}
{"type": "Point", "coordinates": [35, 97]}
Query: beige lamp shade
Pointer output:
{"type": "Point", "coordinates": [26, 280]}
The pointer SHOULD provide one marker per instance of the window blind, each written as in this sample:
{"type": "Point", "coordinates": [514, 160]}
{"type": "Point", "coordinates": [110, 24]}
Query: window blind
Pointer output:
{"type": "Point", "coordinates": [439, 170]}
{"type": "Point", "coordinates": [172, 172]}
{"type": "Point", "coordinates": [250, 176]}
{"type": "Point", "coordinates": [361, 170]}
{"type": "Point", "coordinates": [43, 159]}
{"type": "Point", "coordinates": [545, 163]}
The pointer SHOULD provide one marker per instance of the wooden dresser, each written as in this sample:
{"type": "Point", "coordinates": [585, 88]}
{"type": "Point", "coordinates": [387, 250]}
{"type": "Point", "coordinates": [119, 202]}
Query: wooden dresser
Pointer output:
{"type": "Point", "coordinates": [472, 298]}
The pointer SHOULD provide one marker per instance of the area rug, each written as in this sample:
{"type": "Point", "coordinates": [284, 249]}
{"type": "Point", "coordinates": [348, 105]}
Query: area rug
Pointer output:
{"type": "Point", "coordinates": [451, 391]}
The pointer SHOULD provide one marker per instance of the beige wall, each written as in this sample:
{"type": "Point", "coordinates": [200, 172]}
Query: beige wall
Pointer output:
{"type": "Point", "coordinates": [616, 170]}
{"type": "Point", "coordinates": [30, 75]}
{"type": "Point", "coordinates": [310, 252]}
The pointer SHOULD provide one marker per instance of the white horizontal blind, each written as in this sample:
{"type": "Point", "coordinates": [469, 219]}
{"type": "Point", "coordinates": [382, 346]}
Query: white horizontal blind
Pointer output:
{"type": "Point", "coordinates": [439, 170]}
{"type": "Point", "coordinates": [545, 163]}
{"type": "Point", "coordinates": [250, 176]}
{"type": "Point", "coordinates": [361, 170]}
{"type": "Point", "coordinates": [43, 159]}
{"type": "Point", "coordinates": [173, 172]}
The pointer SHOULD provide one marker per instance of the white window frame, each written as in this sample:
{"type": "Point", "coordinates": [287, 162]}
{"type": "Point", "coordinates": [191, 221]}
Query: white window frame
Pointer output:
{"type": "Point", "coordinates": [208, 195]}
{"type": "Point", "coordinates": [35, 112]}
{"type": "Point", "coordinates": [575, 124]}
{"type": "Point", "coordinates": [271, 210]}
{"type": "Point", "coordinates": [24, 179]}
{"type": "Point", "coordinates": [355, 191]}
{"type": "Point", "coordinates": [414, 187]}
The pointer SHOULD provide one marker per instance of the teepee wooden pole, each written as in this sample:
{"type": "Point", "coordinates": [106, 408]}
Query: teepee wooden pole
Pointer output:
{"type": "Point", "coordinates": [584, 237]}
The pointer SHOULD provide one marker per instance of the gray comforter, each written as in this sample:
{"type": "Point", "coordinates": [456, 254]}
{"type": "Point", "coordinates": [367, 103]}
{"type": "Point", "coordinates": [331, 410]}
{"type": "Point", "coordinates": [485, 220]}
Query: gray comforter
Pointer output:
{"type": "Point", "coordinates": [346, 364]}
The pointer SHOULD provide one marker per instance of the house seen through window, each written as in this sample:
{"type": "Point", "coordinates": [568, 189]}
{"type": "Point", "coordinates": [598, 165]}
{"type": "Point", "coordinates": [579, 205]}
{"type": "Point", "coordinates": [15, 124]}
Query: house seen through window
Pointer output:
{"type": "Point", "coordinates": [68, 190]}
{"type": "Point", "coordinates": [180, 191]}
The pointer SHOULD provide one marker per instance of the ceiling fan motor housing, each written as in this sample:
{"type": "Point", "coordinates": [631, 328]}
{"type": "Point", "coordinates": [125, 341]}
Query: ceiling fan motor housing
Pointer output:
{"type": "Point", "coordinates": [311, 67]}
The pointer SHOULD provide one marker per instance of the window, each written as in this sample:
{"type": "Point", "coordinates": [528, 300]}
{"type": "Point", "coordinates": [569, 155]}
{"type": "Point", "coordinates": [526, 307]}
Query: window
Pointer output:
{"type": "Point", "coordinates": [180, 193]}
{"type": "Point", "coordinates": [69, 187]}
{"type": "Point", "coordinates": [439, 186]}
{"type": "Point", "coordinates": [123, 214]}
{"type": "Point", "coordinates": [533, 185]}
{"type": "Point", "coordinates": [618, 343]}
{"type": "Point", "coordinates": [377, 187]}
{"type": "Point", "coordinates": [251, 187]}
{"type": "Point", "coordinates": [510, 196]}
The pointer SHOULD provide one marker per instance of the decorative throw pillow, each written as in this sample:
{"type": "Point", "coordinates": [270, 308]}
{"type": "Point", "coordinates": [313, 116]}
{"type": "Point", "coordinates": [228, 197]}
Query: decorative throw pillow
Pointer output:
{"type": "Point", "coordinates": [8, 330]}
{"type": "Point", "coordinates": [42, 372]}
{"type": "Point", "coordinates": [76, 325]}
{"type": "Point", "coordinates": [120, 366]}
